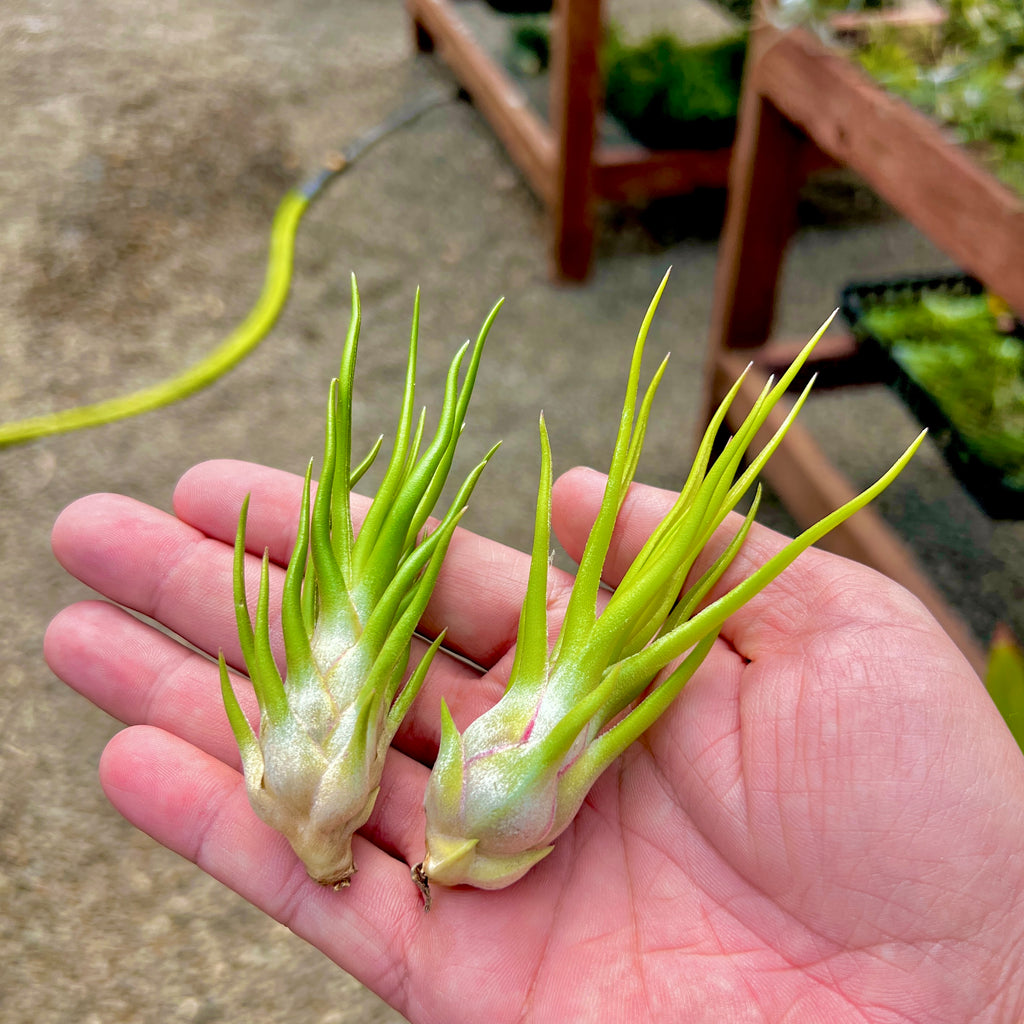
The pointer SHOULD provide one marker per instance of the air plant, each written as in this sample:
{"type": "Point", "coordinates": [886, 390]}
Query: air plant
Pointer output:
{"type": "Point", "coordinates": [501, 792]}
{"type": "Point", "coordinates": [349, 607]}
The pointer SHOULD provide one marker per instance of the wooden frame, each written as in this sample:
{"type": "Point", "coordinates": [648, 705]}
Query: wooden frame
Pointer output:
{"type": "Point", "coordinates": [797, 93]}
{"type": "Point", "coordinates": [565, 162]}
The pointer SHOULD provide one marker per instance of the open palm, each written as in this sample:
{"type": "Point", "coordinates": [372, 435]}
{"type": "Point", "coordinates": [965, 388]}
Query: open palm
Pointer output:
{"type": "Point", "coordinates": [827, 825]}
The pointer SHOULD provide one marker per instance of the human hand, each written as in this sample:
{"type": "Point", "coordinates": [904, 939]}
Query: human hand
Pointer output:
{"type": "Point", "coordinates": [825, 825]}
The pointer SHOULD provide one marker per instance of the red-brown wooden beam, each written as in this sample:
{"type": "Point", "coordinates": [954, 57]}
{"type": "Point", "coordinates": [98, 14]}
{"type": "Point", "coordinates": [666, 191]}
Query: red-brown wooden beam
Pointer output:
{"type": "Point", "coordinates": [528, 140]}
{"type": "Point", "coordinates": [575, 102]}
{"type": "Point", "coordinates": [905, 156]}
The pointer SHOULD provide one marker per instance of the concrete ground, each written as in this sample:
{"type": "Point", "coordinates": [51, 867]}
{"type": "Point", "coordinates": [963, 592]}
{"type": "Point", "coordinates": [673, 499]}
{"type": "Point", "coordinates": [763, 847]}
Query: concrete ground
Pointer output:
{"type": "Point", "coordinates": [144, 150]}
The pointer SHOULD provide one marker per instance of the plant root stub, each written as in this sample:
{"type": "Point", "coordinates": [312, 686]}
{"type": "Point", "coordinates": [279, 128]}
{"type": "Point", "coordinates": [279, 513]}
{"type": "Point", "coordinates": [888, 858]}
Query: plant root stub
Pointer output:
{"type": "Point", "coordinates": [336, 881]}
{"type": "Point", "coordinates": [419, 877]}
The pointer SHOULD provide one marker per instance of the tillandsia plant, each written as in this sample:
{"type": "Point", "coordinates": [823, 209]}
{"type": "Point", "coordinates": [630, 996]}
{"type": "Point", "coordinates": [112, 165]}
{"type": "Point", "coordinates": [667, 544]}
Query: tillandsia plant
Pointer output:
{"type": "Point", "coordinates": [501, 792]}
{"type": "Point", "coordinates": [349, 607]}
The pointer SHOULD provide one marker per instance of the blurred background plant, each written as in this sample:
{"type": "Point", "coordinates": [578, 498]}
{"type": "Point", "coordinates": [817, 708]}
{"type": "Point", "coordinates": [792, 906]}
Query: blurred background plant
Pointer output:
{"type": "Point", "coordinates": [953, 345]}
{"type": "Point", "coordinates": [967, 72]}
{"type": "Point", "coordinates": [666, 91]}
{"type": "Point", "coordinates": [672, 94]}
{"type": "Point", "coordinates": [1004, 680]}
{"type": "Point", "coordinates": [960, 61]}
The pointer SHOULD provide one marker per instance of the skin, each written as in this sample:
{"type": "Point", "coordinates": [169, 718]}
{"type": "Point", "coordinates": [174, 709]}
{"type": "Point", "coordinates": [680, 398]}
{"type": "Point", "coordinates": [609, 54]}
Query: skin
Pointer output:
{"type": "Point", "coordinates": [825, 826]}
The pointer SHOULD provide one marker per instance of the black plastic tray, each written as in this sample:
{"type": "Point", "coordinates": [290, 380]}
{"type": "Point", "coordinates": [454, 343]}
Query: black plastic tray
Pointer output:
{"type": "Point", "coordinates": [984, 482]}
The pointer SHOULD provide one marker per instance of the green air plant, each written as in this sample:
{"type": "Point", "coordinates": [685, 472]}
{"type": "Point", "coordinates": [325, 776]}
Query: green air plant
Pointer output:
{"type": "Point", "coordinates": [502, 791]}
{"type": "Point", "coordinates": [349, 607]}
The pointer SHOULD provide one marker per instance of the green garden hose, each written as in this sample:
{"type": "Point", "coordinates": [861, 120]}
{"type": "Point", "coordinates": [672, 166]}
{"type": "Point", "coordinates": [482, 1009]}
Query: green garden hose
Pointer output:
{"type": "Point", "coordinates": [251, 331]}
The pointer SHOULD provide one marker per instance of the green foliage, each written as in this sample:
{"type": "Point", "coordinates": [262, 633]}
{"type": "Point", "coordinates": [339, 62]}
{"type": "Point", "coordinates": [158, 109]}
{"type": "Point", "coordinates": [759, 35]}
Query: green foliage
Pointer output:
{"type": "Point", "coordinates": [971, 77]}
{"type": "Point", "coordinates": [952, 347]}
{"type": "Point", "coordinates": [530, 45]}
{"type": "Point", "coordinates": [994, 28]}
{"type": "Point", "coordinates": [666, 92]}
{"type": "Point", "coordinates": [671, 94]}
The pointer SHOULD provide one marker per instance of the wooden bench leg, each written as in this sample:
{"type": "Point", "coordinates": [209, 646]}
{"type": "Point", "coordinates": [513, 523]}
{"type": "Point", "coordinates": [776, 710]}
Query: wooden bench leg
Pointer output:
{"type": "Point", "coordinates": [575, 101]}
{"type": "Point", "coordinates": [764, 181]}
{"type": "Point", "coordinates": [768, 164]}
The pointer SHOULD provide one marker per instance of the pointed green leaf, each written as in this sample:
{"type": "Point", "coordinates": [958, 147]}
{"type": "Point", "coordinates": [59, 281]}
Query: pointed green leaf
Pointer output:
{"type": "Point", "coordinates": [408, 693]}
{"type": "Point", "coordinates": [395, 474]}
{"type": "Point", "coordinates": [653, 658]}
{"type": "Point", "coordinates": [530, 660]}
{"type": "Point", "coordinates": [341, 427]}
{"type": "Point", "coordinates": [242, 618]}
{"type": "Point", "coordinates": [1004, 680]}
{"type": "Point", "coordinates": [298, 655]}
{"type": "Point", "coordinates": [332, 580]}
{"type": "Point", "coordinates": [248, 744]}
{"type": "Point", "coordinates": [266, 680]}
{"type": "Point", "coordinates": [360, 471]}
{"type": "Point", "coordinates": [581, 611]}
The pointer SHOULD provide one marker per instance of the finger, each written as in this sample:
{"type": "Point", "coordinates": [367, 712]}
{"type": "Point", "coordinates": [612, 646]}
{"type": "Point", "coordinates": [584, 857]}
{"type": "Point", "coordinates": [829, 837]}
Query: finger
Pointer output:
{"type": "Point", "coordinates": [209, 496]}
{"type": "Point", "coordinates": [178, 572]}
{"type": "Point", "coordinates": [196, 806]}
{"type": "Point", "coordinates": [153, 563]}
{"type": "Point", "coordinates": [141, 676]}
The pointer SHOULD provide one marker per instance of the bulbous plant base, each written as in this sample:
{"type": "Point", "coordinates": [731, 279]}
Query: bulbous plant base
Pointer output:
{"type": "Point", "coordinates": [327, 855]}
{"type": "Point", "coordinates": [457, 863]}
{"type": "Point", "coordinates": [337, 876]}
